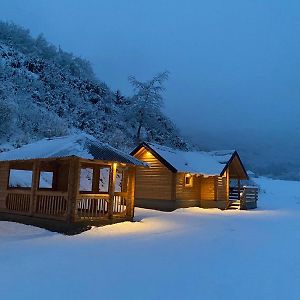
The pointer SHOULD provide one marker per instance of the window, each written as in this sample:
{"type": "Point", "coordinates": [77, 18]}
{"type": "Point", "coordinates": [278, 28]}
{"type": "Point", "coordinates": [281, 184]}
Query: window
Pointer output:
{"type": "Point", "coordinates": [20, 178]}
{"type": "Point", "coordinates": [119, 181]}
{"type": "Point", "coordinates": [46, 180]}
{"type": "Point", "coordinates": [104, 180]}
{"type": "Point", "coordinates": [86, 180]}
{"type": "Point", "coordinates": [188, 180]}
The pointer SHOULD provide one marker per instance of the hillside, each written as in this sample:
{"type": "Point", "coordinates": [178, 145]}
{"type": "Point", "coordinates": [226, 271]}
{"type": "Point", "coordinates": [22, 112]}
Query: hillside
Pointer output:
{"type": "Point", "coordinates": [47, 92]}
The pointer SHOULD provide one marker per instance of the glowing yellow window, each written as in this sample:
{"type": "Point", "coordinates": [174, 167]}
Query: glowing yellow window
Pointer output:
{"type": "Point", "coordinates": [188, 180]}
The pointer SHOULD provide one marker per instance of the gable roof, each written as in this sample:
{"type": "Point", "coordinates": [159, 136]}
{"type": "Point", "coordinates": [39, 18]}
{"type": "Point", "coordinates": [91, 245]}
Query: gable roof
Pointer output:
{"type": "Point", "coordinates": [197, 162]}
{"type": "Point", "coordinates": [80, 145]}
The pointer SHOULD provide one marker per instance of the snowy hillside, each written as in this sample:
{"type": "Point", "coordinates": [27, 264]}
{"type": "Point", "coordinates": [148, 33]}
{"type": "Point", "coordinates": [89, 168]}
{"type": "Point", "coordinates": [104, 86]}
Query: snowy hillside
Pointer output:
{"type": "Point", "coordinates": [187, 254]}
{"type": "Point", "coordinates": [47, 92]}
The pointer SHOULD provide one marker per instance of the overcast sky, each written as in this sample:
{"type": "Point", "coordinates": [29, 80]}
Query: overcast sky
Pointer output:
{"type": "Point", "coordinates": [234, 64]}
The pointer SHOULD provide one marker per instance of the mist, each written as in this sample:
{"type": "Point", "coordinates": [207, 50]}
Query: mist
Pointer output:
{"type": "Point", "coordinates": [234, 65]}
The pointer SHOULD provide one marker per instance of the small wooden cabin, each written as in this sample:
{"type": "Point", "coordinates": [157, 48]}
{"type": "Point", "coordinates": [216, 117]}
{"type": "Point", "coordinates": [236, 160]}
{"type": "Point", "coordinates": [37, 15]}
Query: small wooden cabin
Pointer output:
{"type": "Point", "coordinates": [67, 184]}
{"type": "Point", "coordinates": [183, 179]}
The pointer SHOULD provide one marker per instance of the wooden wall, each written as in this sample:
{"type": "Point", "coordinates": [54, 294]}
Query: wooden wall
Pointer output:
{"type": "Point", "coordinates": [155, 182]}
{"type": "Point", "coordinates": [4, 169]}
{"type": "Point", "coordinates": [207, 188]}
{"type": "Point", "coordinates": [185, 192]}
{"type": "Point", "coordinates": [213, 188]}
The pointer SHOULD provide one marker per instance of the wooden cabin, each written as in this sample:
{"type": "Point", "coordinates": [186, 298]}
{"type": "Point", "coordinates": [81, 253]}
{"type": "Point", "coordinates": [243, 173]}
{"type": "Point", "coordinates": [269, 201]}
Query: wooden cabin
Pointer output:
{"type": "Point", "coordinates": [178, 179]}
{"type": "Point", "coordinates": [67, 184]}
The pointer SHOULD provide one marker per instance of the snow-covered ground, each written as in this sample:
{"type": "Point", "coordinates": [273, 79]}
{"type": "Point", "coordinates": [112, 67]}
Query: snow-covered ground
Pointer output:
{"type": "Point", "coordinates": [187, 254]}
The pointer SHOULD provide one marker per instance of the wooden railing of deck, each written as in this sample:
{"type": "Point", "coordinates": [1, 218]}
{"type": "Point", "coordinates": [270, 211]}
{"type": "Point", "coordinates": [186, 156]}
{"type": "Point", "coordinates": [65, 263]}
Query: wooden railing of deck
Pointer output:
{"type": "Point", "coordinates": [94, 206]}
{"type": "Point", "coordinates": [249, 196]}
{"type": "Point", "coordinates": [18, 201]}
{"type": "Point", "coordinates": [48, 203]}
{"type": "Point", "coordinates": [51, 203]}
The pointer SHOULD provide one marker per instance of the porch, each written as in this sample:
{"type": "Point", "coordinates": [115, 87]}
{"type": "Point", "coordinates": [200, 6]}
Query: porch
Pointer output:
{"type": "Point", "coordinates": [67, 194]}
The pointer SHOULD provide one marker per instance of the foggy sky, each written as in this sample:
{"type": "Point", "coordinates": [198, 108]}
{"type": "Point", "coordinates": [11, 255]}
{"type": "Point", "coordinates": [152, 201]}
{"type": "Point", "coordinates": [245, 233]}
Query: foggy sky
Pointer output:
{"type": "Point", "coordinates": [234, 64]}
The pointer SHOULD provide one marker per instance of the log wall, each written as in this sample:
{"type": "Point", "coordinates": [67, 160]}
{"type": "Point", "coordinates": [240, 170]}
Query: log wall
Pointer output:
{"type": "Point", "coordinates": [156, 182]}
{"type": "Point", "coordinates": [187, 192]}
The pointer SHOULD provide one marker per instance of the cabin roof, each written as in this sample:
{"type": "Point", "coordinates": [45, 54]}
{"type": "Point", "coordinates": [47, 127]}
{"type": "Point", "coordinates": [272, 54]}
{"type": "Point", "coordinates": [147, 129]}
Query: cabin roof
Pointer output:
{"type": "Point", "coordinates": [80, 145]}
{"type": "Point", "coordinates": [196, 162]}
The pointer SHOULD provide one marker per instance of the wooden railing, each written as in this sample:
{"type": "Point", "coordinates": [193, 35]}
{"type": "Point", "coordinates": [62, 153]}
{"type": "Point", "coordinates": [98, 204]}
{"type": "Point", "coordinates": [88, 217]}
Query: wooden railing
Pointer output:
{"type": "Point", "coordinates": [235, 193]}
{"type": "Point", "coordinates": [96, 205]}
{"type": "Point", "coordinates": [248, 196]}
{"type": "Point", "coordinates": [18, 202]}
{"type": "Point", "coordinates": [48, 203]}
{"type": "Point", "coordinates": [51, 203]}
{"type": "Point", "coordinates": [92, 206]}
{"type": "Point", "coordinates": [119, 207]}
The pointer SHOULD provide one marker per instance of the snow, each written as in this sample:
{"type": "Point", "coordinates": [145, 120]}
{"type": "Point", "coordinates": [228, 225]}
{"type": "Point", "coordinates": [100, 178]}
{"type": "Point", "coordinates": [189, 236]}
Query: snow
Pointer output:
{"type": "Point", "coordinates": [186, 254]}
{"type": "Point", "coordinates": [80, 145]}
{"type": "Point", "coordinates": [198, 162]}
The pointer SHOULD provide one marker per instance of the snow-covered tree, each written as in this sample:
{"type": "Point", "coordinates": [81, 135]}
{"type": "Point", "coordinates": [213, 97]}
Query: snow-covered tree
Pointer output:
{"type": "Point", "coordinates": [147, 101]}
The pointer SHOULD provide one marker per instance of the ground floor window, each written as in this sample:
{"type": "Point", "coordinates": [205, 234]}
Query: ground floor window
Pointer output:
{"type": "Point", "coordinates": [188, 180]}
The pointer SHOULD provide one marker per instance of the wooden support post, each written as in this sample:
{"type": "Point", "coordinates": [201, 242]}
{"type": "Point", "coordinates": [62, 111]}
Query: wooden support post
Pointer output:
{"type": "Point", "coordinates": [111, 189]}
{"type": "Point", "coordinates": [73, 188]}
{"type": "Point", "coordinates": [227, 184]}
{"type": "Point", "coordinates": [173, 186]}
{"type": "Point", "coordinates": [34, 186]}
{"type": "Point", "coordinates": [239, 189]}
{"type": "Point", "coordinates": [130, 192]}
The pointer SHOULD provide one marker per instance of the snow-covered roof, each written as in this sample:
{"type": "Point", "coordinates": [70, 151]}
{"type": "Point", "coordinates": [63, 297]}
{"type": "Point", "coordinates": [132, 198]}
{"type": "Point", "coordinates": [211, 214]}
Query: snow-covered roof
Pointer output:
{"type": "Point", "coordinates": [80, 145]}
{"type": "Point", "coordinates": [196, 162]}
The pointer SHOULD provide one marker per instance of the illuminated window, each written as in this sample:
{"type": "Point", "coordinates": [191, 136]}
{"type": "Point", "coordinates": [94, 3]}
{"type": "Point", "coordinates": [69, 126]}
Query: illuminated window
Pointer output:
{"type": "Point", "coordinates": [188, 180]}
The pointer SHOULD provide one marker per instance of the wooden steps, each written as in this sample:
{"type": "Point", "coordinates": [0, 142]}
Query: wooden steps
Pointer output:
{"type": "Point", "coordinates": [233, 205]}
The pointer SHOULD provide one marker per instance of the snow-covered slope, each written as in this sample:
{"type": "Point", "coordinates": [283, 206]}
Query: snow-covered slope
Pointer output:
{"type": "Point", "coordinates": [187, 254]}
{"type": "Point", "coordinates": [47, 92]}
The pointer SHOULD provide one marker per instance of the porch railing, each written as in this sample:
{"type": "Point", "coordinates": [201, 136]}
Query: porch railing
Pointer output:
{"type": "Point", "coordinates": [96, 206]}
{"type": "Point", "coordinates": [51, 203]}
{"type": "Point", "coordinates": [18, 202]}
{"type": "Point", "coordinates": [247, 195]}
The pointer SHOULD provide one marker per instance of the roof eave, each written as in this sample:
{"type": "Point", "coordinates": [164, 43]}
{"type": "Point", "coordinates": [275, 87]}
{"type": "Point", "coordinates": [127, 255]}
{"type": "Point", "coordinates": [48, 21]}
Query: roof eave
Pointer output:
{"type": "Point", "coordinates": [234, 154]}
{"type": "Point", "coordinates": [155, 154]}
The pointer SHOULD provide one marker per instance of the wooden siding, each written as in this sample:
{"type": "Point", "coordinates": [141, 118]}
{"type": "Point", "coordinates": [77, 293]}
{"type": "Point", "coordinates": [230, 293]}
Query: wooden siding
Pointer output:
{"type": "Point", "coordinates": [155, 182]}
{"type": "Point", "coordinates": [207, 188]}
{"type": "Point", "coordinates": [185, 192]}
{"type": "Point", "coordinates": [214, 188]}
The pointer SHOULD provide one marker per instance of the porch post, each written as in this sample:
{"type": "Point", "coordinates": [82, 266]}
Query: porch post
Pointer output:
{"type": "Point", "coordinates": [227, 184]}
{"type": "Point", "coordinates": [111, 189]}
{"type": "Point", "coordinates": [34, 185]}
{"type": "Point", "coordinates": [73, 188]}
{"type": "Point", "coordinates": [239, 189]}
{"type": "Point", "coordinates": [130, 192]}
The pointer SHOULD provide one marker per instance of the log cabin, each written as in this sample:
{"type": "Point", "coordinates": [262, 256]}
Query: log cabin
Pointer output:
{"type": "Point", "coordinates": [67, 184]}
{"type": "Point", "coordinates": [177, 179]}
